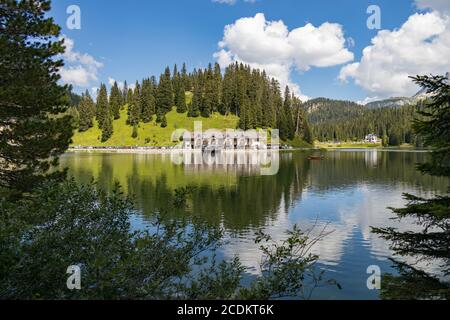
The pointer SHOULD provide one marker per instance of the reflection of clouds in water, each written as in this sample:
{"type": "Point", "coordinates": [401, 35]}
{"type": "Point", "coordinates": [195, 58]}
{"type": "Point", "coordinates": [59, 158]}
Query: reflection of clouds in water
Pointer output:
{"type": "Point", "coordinates": [350, 214]}
{"type": "Point", "coordinates": [248, 251]}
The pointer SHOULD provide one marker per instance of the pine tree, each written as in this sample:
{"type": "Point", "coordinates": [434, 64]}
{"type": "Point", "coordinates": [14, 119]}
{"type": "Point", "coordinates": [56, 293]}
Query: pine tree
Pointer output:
{"type": "Point", "coordinates": [194, 107]}
{"type": "Point", "coordinates": [134, 134]}
{"type": "Point", "coordinates": [287, 106]}
{"type": "Point", "coordinates": [267, 107]}
{"type": "Point", "coordinates": [217, 97]}
{"type": "Point", "coordinates": [164, 96]}
{"type": "Point", "coordinates": [175, 75]}
{"type": "Point", "coordinates": [125, 93]}
{"type": "Point", "coordinates": [430, 239]}
{"type": "Point", "coordinates": [86, 112]}
{"type": "Point", "coordinates": [148, 104]}
{"type": "Point", "coordinates": [134, 109]}
{"type": "Point", "coordinates": [179, 91]}
{"type": "Point", "coordinates": [185, 78]}
{"type": "Point", "coordinates": [103, 110]}
{"type": "Point", "coordinates": [34, 128]}
{"type": "Point", "coordinates": [163, 121]}
{"type": "Point", "coordinates": [130, 98]}
{"type": "Point", "coordinates": [208, 97]}
{"type": "Point", "coordinates": [180, 99]}
{"type": "Point", "coordinates": [115, 101]}
{"type": "Point", "coordinates": [107, 129]}
{"type": "Point", "coordinates": [307, 133]}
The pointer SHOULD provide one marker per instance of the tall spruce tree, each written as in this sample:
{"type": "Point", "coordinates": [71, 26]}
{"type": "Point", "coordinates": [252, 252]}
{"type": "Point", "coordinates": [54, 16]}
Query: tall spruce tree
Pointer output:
{"type": "Point", "coordinates": [34, 129]}
{"type": "Point", "coordinates": [194, 107]}
{"type": "Point", "coordinates": [287, 106]}
{"type": "Point", "coordinates": [164, 96]}
{"type": "Point", "coordinates": [134, 108]}
{"type": "Point", "coordinates": [107, 128]}
{"type": "Point", "coordinates": [86, 112]}
{"type": "Point", "coordinates": [430, 242]}
{"type": "Point", "coordinates": [163, 121]}
{"type": "Point", "coordinates": [148, 104]}
{"type": "Point", "coordinates": [104, 114]}
{"type": "Point", "coordinates": [125, 93]}
{"type": "Point", "coordinates": [174, 76]}
{"type": "Point", "coordinates": [185, 78]}
{"type": "Point", "coordinates": [267, 107]}
{"type": "Point", "coordinates": [103, 110]}
{"type": "Point", "coordinates": [179, 92]}
{"type": "Point", "coordinates": [115, 101]}
{"type": "Point", "coordinates": [180, 97]}
{"type": "Point", "coordinates": [209, 94]}
{"type": "Point", "coordinates": [130, 98]}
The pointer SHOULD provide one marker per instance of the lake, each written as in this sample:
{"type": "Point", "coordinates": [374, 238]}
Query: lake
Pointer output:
{"type": "Point", "coordinates": [349, 190]}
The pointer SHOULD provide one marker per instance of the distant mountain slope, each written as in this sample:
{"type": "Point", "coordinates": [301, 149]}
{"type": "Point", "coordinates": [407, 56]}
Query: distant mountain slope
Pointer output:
{"type": "Point", "coordinates": [321, 110]}
{"type": "Point", "coordinates": [402, 101]}
{"type": "Point", "coordinates": [393, 102]}
{"type": "Point", "coordinates": [336, 120]}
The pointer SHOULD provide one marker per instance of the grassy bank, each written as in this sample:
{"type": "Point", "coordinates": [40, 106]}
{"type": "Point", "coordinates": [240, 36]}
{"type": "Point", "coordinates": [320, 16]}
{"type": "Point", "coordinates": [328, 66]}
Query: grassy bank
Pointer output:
{"type": "Point", "coordinates": [347, 145]}
{"type": "Point", "coordinates": [150, 134]}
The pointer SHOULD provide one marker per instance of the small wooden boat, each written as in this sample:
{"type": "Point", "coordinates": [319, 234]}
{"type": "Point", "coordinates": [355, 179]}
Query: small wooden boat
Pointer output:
{"type": "Point", "coordinates": [313, 158]}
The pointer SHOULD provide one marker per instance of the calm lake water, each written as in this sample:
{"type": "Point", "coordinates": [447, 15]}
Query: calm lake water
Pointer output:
{"type": "Point", "coordinates": [350, 190]}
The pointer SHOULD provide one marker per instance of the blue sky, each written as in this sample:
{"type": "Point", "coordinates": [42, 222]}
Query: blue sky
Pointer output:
{"type": "Point", "coordinates": [137, 38]}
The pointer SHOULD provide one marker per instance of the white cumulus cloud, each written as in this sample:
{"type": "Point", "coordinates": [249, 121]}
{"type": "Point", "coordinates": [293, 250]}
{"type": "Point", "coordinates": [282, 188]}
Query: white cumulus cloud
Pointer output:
{"type": "Point", "coordinates": [80, 68]}
{"type": "Point", "coordinates": [420, 46]}
{"type": "Point", "coordinates": [269, 45]}
{"type": "Point", "coordinates": [438, 5]}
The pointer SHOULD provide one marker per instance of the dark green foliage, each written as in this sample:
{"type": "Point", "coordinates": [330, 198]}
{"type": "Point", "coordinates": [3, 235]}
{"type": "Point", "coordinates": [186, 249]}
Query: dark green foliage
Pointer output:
{"type": "Point", "coordinates": [134, 108]}
{"type": "Point", "coordinates": [180, 93]}
{"type": "Point", "coordinates": [148, 104]}
{"type": "Point", "coordinates": [125, 93]}
{"type": "Point", "coordinates": [187, 84]}
{"type": "Point", "coordinates": [349, 121]}
{"type": "Point", "coordinates": [104, 114]}
{"type": "Point", "coordinates": [431, 243]}
{"type": "Point", "coordinates": [180, 100]}
{"type": "Point", "coordinates": [165, 261]}
{"type": "Point", "coordinates": [35, 128]}
{"type": "Point", "coordinates": [307, 135]}
{"type": "Point", "coordinates": [115, 101]}
{"type": "Point", "coordinates": [163, 121]}
{"type": "Point", "coordinates": [134, 134]}
{"type": "Point", "coordinates": [412, 284]}
{"type": "Point", "coordinates": [248, 93]}
{"type": "Point", "coordinates": [74, 99]}
{"type": "Point", "coordinates": [209, 99]}
{"type": "Point", "coordinates": [107, 129]}
{"type": "Point", "coordinates": [86, 110]}
{"type": "Point", "coordinates": [164, 95]}
{"type": "Point", "coordinates": [194, 107]}
{"type": "Point", "coordinates": [103, 111]}
{"type": "Point", "coordinates": [288, 106]}
{"type": "Point", "coordinates": [434, 125]}
{"type": "Point", "coordinates": [130, 98]}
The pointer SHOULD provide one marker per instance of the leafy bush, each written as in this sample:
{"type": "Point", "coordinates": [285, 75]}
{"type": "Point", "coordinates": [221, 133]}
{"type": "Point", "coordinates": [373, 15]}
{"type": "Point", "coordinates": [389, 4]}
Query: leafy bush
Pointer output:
{"type": "Point", "coordinates": [69, 224]}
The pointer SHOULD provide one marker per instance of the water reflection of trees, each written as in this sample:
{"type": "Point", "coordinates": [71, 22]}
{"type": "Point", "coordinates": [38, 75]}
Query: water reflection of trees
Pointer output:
{"type": "Point", "coordinates": [246, 201]}
{"type": "Point", "coordinates": [343, 169]}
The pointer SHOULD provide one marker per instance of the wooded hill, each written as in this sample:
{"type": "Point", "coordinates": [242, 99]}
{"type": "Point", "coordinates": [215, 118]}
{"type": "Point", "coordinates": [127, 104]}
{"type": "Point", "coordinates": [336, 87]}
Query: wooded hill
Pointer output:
{"type": "Point", "coordinates": [243, 97]}
{"type": "Point", "coordinates": [334, 120]}
{"type": "Point", "coordinates": [241, 91]}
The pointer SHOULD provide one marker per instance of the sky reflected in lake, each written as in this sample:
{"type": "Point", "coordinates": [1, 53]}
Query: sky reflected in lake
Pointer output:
{"type": "Point", "coordinates": [349, 192]}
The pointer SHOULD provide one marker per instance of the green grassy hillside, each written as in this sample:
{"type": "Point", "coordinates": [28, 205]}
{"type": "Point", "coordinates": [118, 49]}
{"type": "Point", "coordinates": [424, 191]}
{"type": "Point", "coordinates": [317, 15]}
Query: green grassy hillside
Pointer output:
{"type": "Point", "coordinates": [150, 134]}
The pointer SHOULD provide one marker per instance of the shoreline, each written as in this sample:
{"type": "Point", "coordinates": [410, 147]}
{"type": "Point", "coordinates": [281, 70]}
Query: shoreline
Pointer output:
{"type": "Point", "coordinates": [169, 150]}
